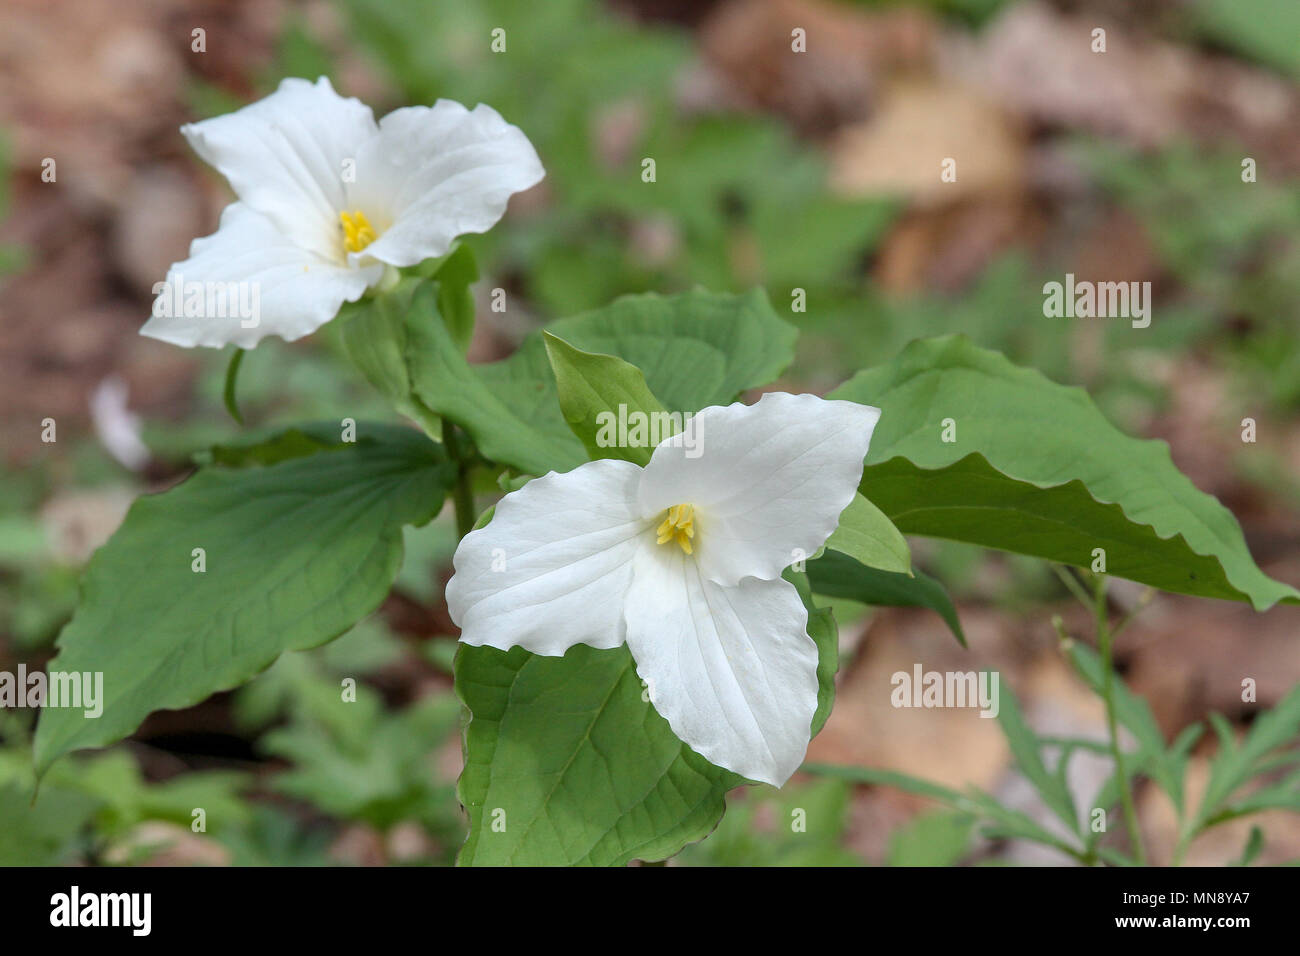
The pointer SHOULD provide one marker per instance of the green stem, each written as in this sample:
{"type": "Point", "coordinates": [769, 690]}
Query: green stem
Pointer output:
{"type": "Point", "coordinates": [228, 393]}
{"type": "Point", "coordinates": [462, 496]}
{"type": "Point", "coordinates": [1104, 642]}
{"type": "Point", "coordinates": [1072, 585]}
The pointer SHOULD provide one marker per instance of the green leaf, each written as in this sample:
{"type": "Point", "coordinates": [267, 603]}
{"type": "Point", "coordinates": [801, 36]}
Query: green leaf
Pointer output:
{"type": "Point", "coordinates": [268, 447]}
{"type": "Point", "coordinates": [1254, 843]}
{"type": "Point", "coordinates": [1283, 795]}
{"type": "Point", "coordinates": [866, 534]}
{"type": "Point", "coordinates": [1036, 469]}
{"type": "Point", "coordinates": [567, 763]}
{"type": "Point", "coordinates": [455, 273]}
{"type": "Point", "coordinates": [840, 576]}
{"type": "Point", "coordinates": [379, 333]}
{"type": "Point", "coordinates": [572, 766]}
{"type": "Point", "coordinates": [825, 634]}
{"type": "Point", "coordinates": [591, 387]}
{"type": "Point", "coordinates": [694, 349]}
{"type": "Point", "coordinates": [1235, 764]}
{"type": "Point", "coordinates": [296, 553]}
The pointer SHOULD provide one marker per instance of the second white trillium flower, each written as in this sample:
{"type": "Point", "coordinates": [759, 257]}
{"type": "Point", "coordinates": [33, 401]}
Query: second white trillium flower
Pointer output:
{"type": "Point", "coordinates": [327, 199]}
{"type": "Point", "coordinates": [682, 560]}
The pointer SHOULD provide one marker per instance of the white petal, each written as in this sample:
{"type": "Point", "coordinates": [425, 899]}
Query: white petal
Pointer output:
{"type": "Point", "coordinates": [262, 277]}
{"type": "Point", "coordinates": [116, 425]}
{"type": "Point", "coordinates": [552, 567]}
{"type": "Point", "coordinates": [768, 482]}
{"type": "Point", "coordinates": [435, 173]}
{"type": "Point", "coordinates": [732, 669]}
{"type": "Point", "coordinates": [284, 156]}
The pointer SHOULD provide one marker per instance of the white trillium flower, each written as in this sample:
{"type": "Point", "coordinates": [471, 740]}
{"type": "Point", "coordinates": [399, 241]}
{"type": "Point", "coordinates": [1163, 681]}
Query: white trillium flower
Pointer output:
{"type": "Point", "coordinates": [328, 198]}
{"type": "Point", "coordinates": [682, 559]}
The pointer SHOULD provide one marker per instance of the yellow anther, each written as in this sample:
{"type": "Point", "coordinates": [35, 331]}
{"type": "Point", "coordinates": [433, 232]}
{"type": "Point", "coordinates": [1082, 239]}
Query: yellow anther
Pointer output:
{"type": "Point", "coordinates": [357, 231]}
{"type": "Point", "coordinates": [678, 525]}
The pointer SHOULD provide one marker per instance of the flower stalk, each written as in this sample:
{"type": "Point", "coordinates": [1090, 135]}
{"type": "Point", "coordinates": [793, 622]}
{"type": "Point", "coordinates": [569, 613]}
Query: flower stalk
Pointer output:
{"type": "Point", "coordinates": [462, 494]}
{"type": "Point", "coordinates": [1105, 642]}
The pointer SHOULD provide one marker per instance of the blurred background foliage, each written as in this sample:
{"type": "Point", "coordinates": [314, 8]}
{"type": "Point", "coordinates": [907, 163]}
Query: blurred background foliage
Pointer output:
{"type": "Point", "coordinates": [815, 172]}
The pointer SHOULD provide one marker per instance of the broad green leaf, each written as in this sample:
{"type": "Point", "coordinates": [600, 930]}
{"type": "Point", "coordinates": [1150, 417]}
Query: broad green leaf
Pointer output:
{"type": "Point", "coordinates": [694, 349]}
{"type": "Point", "coordinates": [1035, 468]}
{"type": "Point", "coordinates": [295, 553]}
{"type": "Point", "coordinates": [840, 576]}
{"type": "Point", "coordinates": [269, 446]}
{"type": "Point", "coordinates": [567, 762]}
{"type": "Point", "coordinates": [592, 388]}
{"type": "Point", "coordinates": [865, 534]}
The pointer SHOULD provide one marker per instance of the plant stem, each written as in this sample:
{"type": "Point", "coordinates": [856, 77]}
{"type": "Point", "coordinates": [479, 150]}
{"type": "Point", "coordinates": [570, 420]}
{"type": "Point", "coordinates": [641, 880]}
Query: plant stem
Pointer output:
{"type": "Point", "coordinates": [1072, 585]}
{"type": "Point", "coordinates": [462, 496]}
{"type": "Point", "coordinates": [1104, 641]}
{"type": "Point", "coordinates": [228, 392]}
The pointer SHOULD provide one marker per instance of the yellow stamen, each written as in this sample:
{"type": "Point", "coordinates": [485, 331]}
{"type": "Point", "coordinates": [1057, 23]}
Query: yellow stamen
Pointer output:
{"type": "Point", "coordinates": [357, 231]}
{"type": "Point", "coordinates": [678, 525]}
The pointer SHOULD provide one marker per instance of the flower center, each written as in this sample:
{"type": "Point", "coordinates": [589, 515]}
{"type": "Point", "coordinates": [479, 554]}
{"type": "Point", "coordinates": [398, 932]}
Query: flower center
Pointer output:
{"type": "Point", "coordinates": [357, 231]}
{"type": "Point", "coordinates": [678, 525]}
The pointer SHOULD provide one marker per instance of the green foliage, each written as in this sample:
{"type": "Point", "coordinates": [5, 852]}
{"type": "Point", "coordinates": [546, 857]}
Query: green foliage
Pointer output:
{"type": "Point", "coordinates": [840, 576]}
{"type": "Point", "coordinates": [599, 779]}
{"type": "Point", "coordinates": [41, 835]}
{"type": "Point", "coordinates": [798, 825]}
{"type": "Point", "coordinates": [1230, 245]}
{"type": "Point", "coordinates": [1036, 469]}
{"type": "Point", "coordinates": [736, 201]}
{"type": "Point", "coordinates": [936, 838]}
{"type": "Point", "coordinates": [353, 760]}
{"type": "Point", "coordinates": [295, 553]}
{"type": "Point", "coordinates": [867, 536]}
{"type": "Point", "coordinates": [304, 533]}
{"type": "Point", "coordinates": [588, 386]}
{"type": "Point", "coordinates": [694, 349]}
{"type": "Point", "coordinates": [1236, 764]}
{"type": "Point", "coordinates": [1262, 29]}
{"type": "Point", "coordinates": [1258, 766]}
